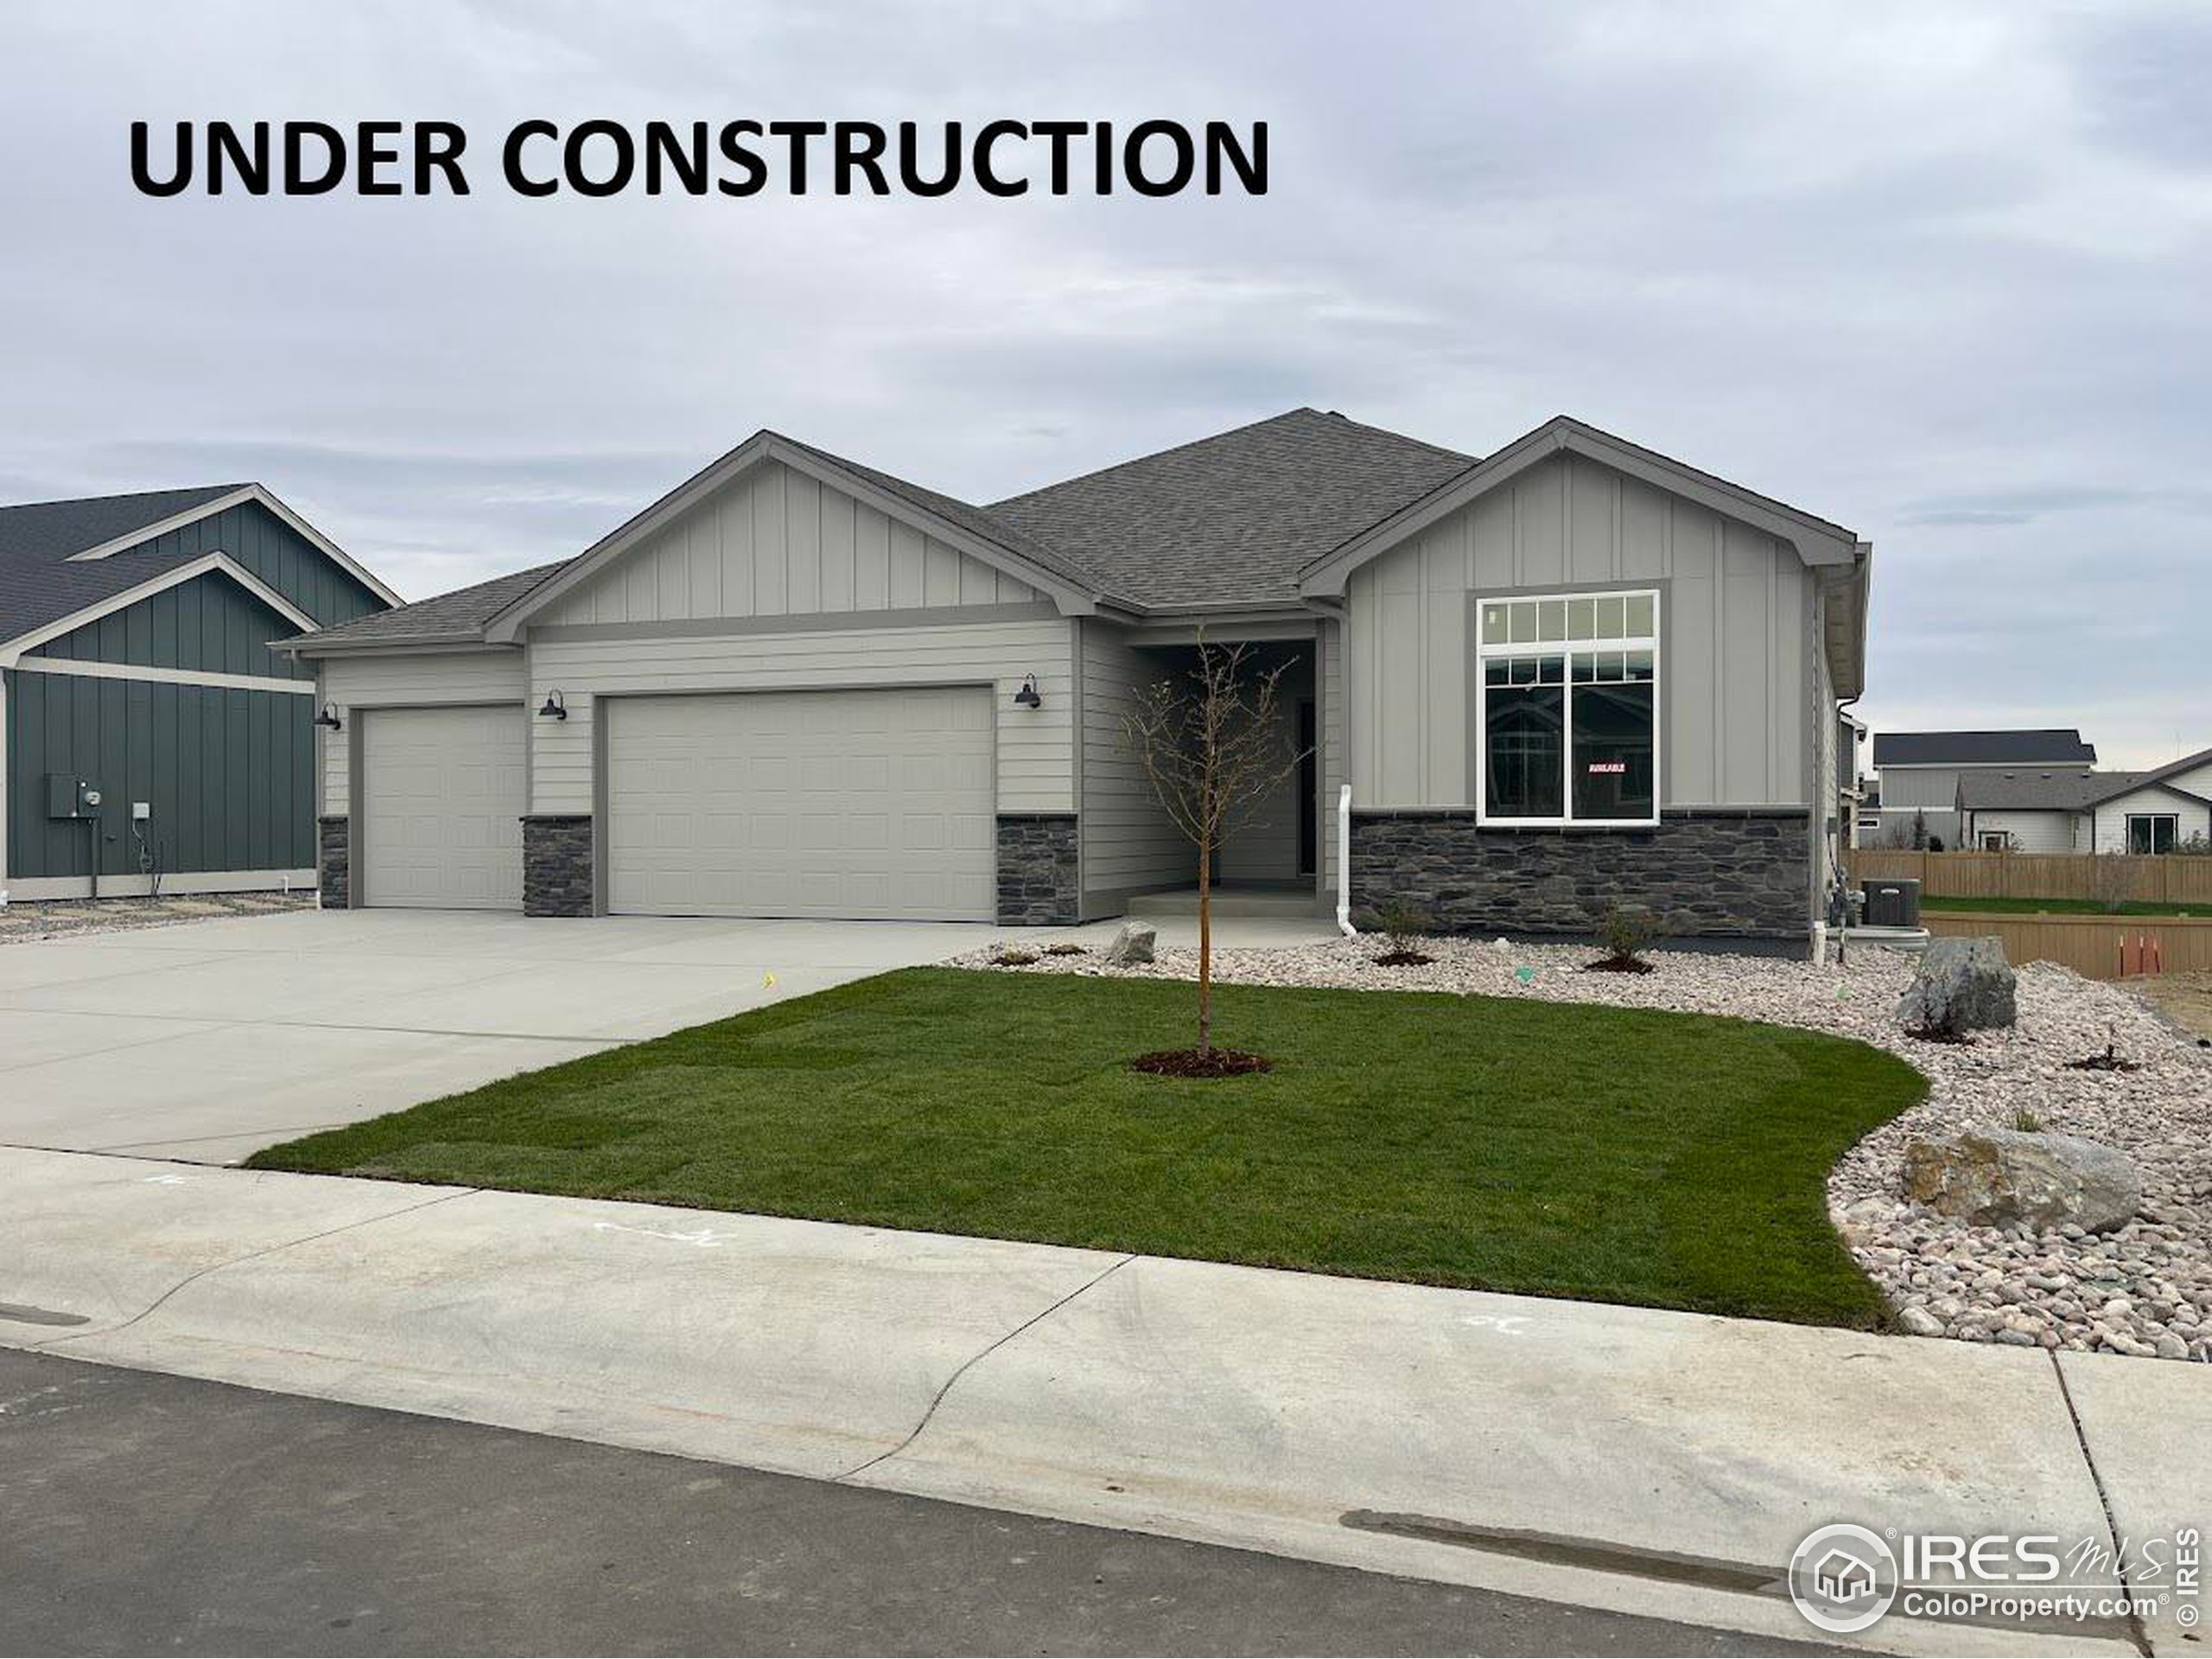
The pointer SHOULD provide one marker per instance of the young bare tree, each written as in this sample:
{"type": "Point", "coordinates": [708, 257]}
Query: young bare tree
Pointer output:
{"type": "Point", "coordinates": [1212, 748]}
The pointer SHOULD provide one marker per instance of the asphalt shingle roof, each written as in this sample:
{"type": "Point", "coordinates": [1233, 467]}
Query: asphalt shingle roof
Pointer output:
{"type": "Point", "coordinates": [457, 615]}
{"type": "Point", "coordinates": [973, 519]}
{"type": "Point", "coordinates": [2051, 747]}
{"type": "Point", "coordinates": [2160, 775]}
{"type": "Point", "coordinates": [2061, 790]}
{"type": "Point", "coordinates": [1233, 519]}
{"type": "Point", "coordinates": [38, 585]}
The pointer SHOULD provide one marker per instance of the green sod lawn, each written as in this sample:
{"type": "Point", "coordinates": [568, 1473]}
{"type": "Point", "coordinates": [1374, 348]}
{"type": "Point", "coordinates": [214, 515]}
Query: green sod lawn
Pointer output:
{"type": "Point", "coordinates": [2062, 907]}
{"type": "Point", "coordinates": [1671, 1160]}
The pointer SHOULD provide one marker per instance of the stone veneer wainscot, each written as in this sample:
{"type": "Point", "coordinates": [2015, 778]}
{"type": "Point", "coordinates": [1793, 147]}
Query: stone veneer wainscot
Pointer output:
{"type": "Point", "coordinates": [556, 865]}
{"type": "Point", "coordinates": [1717, 874]}
{"type": "Point", "coordinates": [333, 862]}
{"type": "Point", "coordinates": [1037, 881]}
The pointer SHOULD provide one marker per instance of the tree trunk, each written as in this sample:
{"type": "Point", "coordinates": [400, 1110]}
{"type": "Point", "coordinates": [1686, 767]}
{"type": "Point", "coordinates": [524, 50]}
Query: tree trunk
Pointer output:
{"type": "Point", "coordinates": [1205, 948]}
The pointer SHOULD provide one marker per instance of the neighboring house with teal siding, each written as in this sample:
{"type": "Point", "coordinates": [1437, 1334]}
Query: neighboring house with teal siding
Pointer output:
{"type": "Point", "coordinates": [149, 734]}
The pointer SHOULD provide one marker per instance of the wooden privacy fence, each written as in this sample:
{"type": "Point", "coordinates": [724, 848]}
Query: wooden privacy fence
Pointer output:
{"type": "Point", "coordinates": [2165, 878]}
{"type": "Point", "coordinates": [2096, 947]}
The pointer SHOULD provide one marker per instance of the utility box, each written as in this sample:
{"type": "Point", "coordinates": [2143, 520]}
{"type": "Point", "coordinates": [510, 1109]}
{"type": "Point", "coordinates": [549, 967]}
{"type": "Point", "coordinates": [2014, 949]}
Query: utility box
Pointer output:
{"type": "Point", "coordinates": [70, 796]}
{"type": "Point", "coordinates": [1892, 901]}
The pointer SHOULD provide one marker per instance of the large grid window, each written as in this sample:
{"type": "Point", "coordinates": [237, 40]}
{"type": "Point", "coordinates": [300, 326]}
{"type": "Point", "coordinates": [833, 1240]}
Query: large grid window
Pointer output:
{"type": "Point", "coordinates": [1568, 708]}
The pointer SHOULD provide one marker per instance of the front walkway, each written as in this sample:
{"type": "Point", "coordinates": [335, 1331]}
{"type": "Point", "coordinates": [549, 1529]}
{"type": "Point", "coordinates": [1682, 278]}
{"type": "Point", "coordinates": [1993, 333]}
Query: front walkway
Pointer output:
{"type": "Point", "coordinates": [1659, 1463]}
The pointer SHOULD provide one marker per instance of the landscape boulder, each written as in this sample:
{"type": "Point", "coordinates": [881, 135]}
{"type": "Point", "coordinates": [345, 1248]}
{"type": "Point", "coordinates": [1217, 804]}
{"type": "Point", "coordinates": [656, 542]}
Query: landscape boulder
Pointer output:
{"type": "Point", "coordinates": [1961, 985]}
{"type": "Point", "coordinates": [1132, 944]}
{"type": "Point", "coordinates": [1992, 1177]}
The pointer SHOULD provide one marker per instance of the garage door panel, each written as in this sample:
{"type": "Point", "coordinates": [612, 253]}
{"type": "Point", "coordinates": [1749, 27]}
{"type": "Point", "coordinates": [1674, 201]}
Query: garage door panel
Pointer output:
{"type": "Point", "coordinates": [442, 800]}
{"type": "Point", "coordinates": [830, 803]}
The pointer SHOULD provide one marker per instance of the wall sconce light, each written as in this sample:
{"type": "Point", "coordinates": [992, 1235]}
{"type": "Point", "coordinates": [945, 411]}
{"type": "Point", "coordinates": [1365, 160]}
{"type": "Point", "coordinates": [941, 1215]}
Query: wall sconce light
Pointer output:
{"type": "Point", "coordinates": [555, 709]}
{"type": "Point", "coordinates": [328, 716]}
{"type": "Point", "coordinates": [1029, 697]}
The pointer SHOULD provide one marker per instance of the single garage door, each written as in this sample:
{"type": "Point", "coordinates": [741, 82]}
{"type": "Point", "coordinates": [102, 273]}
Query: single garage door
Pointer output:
{"type": "Point", "coordinates": [834, 803]}
{"type": "Point", "coordinates": [441, 807]}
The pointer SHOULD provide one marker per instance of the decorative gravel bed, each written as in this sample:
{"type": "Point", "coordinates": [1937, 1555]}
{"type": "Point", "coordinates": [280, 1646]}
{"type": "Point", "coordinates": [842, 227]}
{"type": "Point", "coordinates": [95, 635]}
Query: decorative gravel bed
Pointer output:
{"type": "Point", "coordinates": [48, 919]}
{"type": "Point", "coordinates": [2144, 1290]}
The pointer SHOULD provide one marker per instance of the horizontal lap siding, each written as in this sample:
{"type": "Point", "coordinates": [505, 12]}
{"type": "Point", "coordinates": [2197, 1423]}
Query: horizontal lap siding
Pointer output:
{"type": "Point", "coordinates": [2191, 818]}
{"type": "Point", "coordinates": [2031, 832]}
{"type": "Point", "coordinates": [228, 775]}
{"type": "Point", "coordinates": [1128, 840]}
{"type": "Point", "coordinates": [1735, 635]}
{"type": "Point", "coordinates": [401, 680]}
{"type": "Point", "coordinates": [1035, 747]}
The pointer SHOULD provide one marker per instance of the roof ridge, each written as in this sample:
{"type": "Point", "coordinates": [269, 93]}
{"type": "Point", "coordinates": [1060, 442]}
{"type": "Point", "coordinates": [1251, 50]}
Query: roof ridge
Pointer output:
{"type": "Point", "coordinates": [1175, 449]}
{"type": "Point", "coordinates": [126, 495]}
{"type": "Point", "coordinates": [1011, 537]}
{"type": "Point", "coordinates": [1444, 451]}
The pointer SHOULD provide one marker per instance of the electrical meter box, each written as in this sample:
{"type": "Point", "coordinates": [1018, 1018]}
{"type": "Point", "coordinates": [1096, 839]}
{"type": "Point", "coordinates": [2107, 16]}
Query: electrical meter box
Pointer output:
{"type": "Point", "coordinates": [70, 796]}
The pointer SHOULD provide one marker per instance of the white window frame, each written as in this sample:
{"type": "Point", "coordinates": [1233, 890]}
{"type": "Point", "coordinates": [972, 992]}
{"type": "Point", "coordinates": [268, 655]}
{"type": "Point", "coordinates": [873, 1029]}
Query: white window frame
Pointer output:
{"type": "Point", "coordinates": [1483, 652]}
{"type": "Point", "coordinates": [2127, 832]}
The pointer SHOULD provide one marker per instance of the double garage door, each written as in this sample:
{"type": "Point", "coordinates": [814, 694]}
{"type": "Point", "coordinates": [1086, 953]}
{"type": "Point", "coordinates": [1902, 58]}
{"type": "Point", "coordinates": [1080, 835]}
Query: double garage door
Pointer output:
{"type": "Point", "coordinates": [864, 804]}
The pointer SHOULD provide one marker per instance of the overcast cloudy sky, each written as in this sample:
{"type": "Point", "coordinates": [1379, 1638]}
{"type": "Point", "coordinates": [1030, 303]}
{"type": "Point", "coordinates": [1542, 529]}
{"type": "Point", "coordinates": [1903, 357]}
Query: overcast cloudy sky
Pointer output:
{"type": "Point", "coordinates": [1938, 272]}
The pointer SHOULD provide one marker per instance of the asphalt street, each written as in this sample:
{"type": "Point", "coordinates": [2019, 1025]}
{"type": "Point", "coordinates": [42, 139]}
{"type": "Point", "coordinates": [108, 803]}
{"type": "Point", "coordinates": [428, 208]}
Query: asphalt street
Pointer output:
{"type": "Point", "coordinates": [142, 1513]}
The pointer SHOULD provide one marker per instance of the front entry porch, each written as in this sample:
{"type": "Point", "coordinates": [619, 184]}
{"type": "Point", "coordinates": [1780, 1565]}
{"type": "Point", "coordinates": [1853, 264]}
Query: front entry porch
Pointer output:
{"type": "Point", "coordinates": [1275, 852]}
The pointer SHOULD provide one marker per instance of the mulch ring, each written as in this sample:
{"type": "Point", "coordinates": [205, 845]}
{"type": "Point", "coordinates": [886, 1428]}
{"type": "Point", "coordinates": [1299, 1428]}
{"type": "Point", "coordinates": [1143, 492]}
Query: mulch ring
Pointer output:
{"type": "Point", "coordinates": [1618, 965]}
{"type": "Point", "coordinates": [1403, 959]}
{"type": "Point", "coordinates": [1201, 1063]}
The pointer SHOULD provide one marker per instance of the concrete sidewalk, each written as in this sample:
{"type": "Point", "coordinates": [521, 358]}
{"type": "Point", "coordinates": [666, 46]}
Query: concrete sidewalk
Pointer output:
{"type": "Point", "coordinates": [1656, 1463]}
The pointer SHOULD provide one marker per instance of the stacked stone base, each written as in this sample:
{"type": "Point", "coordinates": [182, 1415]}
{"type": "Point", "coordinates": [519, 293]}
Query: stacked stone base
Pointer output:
{"type": "Point", "coordinates": [334, 861]}
{"type": "Point", "coordinates": [1039, 879]}
{"type": "Point", "coordinates": [1709, 876]}
{"type": "Point", "coordinates": [556, 865]}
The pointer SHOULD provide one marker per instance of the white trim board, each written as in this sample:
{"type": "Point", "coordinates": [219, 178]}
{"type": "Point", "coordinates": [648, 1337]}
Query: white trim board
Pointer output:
{"type": "Point", "coordinates": [322, 543]}
{"type": "Point", "coordinates": [177, 881]}
{"type": "Point", "coordinates": [69, 666]}
{"type": "Point", "coordinates": [11, 651]}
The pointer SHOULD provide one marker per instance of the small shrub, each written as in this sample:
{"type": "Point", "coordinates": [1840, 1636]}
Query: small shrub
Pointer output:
{"type": "Point", "coordinates": [1065, 948]}
{"type": "Point", "coordinates": [1626, 932]}
{"type": "Point", "coordinates": [1013, 957]}
{"type": "Point", "coordinates": [2026, 1121]}
{"type": "Point", "coordinates": [1403, 925]}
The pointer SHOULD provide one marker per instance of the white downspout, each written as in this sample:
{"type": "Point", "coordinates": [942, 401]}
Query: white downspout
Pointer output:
{"type": "Point", "coordinates": [1343, 862]}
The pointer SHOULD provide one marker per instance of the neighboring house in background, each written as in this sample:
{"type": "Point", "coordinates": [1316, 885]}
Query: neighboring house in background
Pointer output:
{"type": "Point", "coordinates": [1572, 672]}
{"type": "Point", "coordinates": [145, 719]}
{"type": "Point", "coordinates": [1920, 772]}
{"type": "Point", "coordinates": [1852, 810]}
{"type": "Point", "coordinates": [2045, 812]}
{"type": "Point", "coordinates": [2039, 811]}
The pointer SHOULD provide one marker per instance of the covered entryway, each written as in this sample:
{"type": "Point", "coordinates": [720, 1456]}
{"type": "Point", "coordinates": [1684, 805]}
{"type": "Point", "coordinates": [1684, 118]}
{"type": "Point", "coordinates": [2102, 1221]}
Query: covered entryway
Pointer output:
{"type": "Point", "coordinates": [864, 805]}
{"type": "Point", "coordinates": [442, 800]}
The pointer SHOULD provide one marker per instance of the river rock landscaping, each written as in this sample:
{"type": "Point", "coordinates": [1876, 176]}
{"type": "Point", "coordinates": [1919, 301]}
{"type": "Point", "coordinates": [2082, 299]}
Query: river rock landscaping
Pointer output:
{"type": "Point", "coordinates": [2144, 1288]}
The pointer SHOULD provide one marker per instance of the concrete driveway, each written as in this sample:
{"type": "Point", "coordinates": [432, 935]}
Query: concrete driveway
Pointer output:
{"type": "Point", "coordinates": [208, 1040]}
